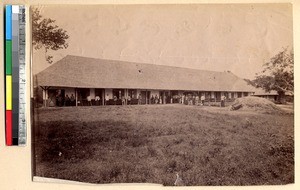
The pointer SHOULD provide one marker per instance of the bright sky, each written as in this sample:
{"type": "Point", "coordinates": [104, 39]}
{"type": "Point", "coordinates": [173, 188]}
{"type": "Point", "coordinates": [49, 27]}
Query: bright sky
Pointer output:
{"type": "Point", "coordinates": [239, 38]}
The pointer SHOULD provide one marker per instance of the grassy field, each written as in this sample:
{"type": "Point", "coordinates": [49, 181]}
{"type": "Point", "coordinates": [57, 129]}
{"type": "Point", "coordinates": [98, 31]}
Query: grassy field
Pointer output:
{"type": "Point", "coordinates": [151, 143]}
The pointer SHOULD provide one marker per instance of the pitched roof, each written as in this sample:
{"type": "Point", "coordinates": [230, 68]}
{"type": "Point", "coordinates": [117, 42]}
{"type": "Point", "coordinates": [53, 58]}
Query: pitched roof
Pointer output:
{"type": "Point", "coordinates": [83, 72]}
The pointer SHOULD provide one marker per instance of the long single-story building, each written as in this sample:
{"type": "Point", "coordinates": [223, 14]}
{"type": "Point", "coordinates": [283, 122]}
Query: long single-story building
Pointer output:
{"type": "Point", "coordinates": [272, 95]}
{"type": "Point", "coordinates": [86, 79]}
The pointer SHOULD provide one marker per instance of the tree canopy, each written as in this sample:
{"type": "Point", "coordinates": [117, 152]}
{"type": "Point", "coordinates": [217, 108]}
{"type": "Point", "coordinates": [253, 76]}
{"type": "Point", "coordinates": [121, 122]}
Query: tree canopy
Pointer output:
{"type": "Point", "coordinates": [278, 74]}
{"type": "Point", "coordinates": [46, 34]}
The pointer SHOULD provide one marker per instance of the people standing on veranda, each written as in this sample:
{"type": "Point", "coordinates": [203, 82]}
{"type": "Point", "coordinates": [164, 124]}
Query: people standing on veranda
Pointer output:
{"type": "Point", "coordinates": [197, 100]}
{"type": "Point", "coordinates": [60, 100]}
{"type": "Point", "coordinates": [67, 100]}
{"type": "Point", "coordinates": [202, 100]}
{"type": "Point", "coordinates": [79, 100]}
{"type": "Point", "coordinates": [186, 100]}
{"type": "Point", "coordinates": [139, 99]}
{"type": "Point", "coordinates": [156, 100]}
{"type": "Point", "coordinates": [190, 100]}
{"type": "Point", "coordinates": [106, 99]}
{"type": "Point", "coordinates": [123, 101]}
{"type": "Point", "coordinates": [152, 99]}
{"type": "Point", "coordinates": [97, 99]}
{"type": "Point", "coordinates": [72, 100]}
{"type": "Point", "coordinates": [115, 100]}
{"type": "Point", "coordinates": [223, 99]}
{"type": "Point", "coordinates": [182, 99]}
{"type": "Point", "coordinates": [128, 100]}
{"type": "Point", "coordinates": [193, 100]}
{"type": "Point", "coordinates": [89, 100]}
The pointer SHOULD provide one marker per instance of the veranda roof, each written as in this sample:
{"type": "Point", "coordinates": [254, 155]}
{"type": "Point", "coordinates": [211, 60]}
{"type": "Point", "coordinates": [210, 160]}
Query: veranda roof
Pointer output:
{"type": "Point", "coordinates": [84, 72]}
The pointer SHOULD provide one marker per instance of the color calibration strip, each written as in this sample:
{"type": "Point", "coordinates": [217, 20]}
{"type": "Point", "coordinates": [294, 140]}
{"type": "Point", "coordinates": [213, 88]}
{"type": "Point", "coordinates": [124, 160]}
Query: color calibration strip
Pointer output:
{"type": "Point", "coordinates": [8, 73]}
{"type": "Point", "coordinates": [15, 75]}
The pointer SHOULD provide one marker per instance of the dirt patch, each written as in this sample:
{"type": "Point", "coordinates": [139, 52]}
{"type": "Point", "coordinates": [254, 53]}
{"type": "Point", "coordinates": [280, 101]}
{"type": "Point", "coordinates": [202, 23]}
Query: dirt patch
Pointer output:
{"type": "Point", "coordinates": [255, 104]}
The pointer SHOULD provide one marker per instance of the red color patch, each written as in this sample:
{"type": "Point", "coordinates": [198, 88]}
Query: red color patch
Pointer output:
{"type": "Point", "coordinates": [8, 124]}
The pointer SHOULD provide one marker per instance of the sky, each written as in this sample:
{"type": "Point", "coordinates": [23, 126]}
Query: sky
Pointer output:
{"type": "Point", "coordinates": [234, 37]}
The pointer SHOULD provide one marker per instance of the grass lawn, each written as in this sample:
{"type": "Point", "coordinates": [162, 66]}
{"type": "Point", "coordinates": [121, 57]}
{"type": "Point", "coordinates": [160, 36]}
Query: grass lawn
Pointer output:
{"type": "Point", "coordinates": [151, 143]}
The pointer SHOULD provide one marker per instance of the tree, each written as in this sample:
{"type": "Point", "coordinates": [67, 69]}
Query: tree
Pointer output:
{"type": "Point", "coordinates": [278, 75]}
{"type": "Point", "coordinates": [45, 34]}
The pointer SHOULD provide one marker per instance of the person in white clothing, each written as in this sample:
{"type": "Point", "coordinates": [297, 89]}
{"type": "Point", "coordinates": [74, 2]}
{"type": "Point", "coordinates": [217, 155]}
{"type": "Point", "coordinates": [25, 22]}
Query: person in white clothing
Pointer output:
{"type": "Point", "coordinates": [197, 100]}
{"type": "Point", "coordinates": [89, 100]}
{"type": "Point", "coordinates": [223, 98]}
{"type": "Point", "coordinates": [106, 99]}
{"type": "Point", "coordinates": [202, 100]}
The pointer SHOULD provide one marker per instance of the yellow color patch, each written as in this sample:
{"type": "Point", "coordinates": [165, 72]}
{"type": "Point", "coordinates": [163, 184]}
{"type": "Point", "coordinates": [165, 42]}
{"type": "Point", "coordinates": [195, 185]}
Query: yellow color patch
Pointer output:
{"type": "Point", "coordinates": [8, 92]}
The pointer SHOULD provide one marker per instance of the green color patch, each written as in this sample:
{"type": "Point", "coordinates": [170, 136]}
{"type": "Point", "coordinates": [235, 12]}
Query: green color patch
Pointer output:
{"type": "Point", "coordinates": [8, 57]}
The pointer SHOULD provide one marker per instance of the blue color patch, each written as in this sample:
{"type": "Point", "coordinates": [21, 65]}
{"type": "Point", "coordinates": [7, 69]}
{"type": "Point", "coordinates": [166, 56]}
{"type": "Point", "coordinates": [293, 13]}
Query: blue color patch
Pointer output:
{"type": "Point", "coordinates": [8, 22]}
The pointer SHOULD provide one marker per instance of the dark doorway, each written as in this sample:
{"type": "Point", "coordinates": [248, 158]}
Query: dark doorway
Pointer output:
{"type": "Point", "coordinates": [166, 96]}
{"type": "Point", "coordinates": [83, 93]}
{"type": "Point", "coordinates": [52, 98]}
{"type": "Point", "coordinates": [175, 97]}
{"type": "Point", "coordinates": [118, 93]}
{"type": "Point", "coordinates": [99, 92]}
{"type": "Point", "coordinates": [145, 97]}
{"type": "Point", "coordinates": [132, 93]}
{"type": "Point", "coordinates": [60, 97]}
{"type": "Point", "coordinates": [208, 96]}
{"type": "Point", "coordinates": [162, 97]}
{"type": "Point", "coordinates": [98, 97]}
{"type": "Point", "coordinates": [239, 94]}
{"type": "Point", "coordinates": [218, 96]}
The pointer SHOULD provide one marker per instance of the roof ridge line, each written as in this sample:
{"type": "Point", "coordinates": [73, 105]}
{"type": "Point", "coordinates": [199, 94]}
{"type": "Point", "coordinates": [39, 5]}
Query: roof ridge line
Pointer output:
{"type": "Point", "coordinates": [132, 62]}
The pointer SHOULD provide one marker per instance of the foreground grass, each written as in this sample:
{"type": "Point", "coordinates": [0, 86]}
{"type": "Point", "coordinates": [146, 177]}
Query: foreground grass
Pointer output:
{"type": "Point", "coordinates": [149, 144]}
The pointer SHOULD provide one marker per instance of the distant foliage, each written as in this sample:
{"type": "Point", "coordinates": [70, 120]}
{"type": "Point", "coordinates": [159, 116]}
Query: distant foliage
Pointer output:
{"type": "Point", "coordinates": [46, 34]}
{"type": "Point", "coordinates": [250, 82]}
{"type": "Point", "coordinates": [278, 74]}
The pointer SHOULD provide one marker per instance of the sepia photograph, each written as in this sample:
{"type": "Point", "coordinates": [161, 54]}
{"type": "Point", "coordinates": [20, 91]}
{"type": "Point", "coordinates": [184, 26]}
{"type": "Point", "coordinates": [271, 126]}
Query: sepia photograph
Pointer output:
{"type": "Point", "coordinates": [169, 94]}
